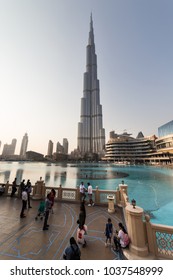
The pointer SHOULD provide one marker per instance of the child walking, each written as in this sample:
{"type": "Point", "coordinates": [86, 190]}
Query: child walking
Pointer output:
{"type": "Point", "coordinates": [108, 232]}
{"type": "Point", "coordinates": [81, 232]}
{"type": "Point", "coordinates": [40, 210]}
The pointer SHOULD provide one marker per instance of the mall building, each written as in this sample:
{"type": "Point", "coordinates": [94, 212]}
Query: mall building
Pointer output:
{"type": "Point", "coordinates": [124, 149]}
{"type": "Point", "coordinates": [164, 142]}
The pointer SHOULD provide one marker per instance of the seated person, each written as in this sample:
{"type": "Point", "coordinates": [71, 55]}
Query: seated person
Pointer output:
{"type": "Point", "coordinates": [72, 252]}
{"type": "Point", "coordinates": [121, 239]}
{"type": "Point", "coordinates": [2, 189]}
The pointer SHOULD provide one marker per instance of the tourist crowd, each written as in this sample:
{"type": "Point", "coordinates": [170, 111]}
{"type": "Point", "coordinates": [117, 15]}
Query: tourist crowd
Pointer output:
{"type": "Point", "coordinates": [117, 238]}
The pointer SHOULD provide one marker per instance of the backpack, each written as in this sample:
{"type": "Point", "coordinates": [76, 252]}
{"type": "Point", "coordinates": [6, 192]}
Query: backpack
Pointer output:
{"type": "Point", "coordinates": [76, 253]}
{"type": "Point", "coordinates": [126, 239]}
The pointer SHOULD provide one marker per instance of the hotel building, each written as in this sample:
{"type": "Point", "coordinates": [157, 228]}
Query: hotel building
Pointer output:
{"type": "Point", "coordinates": [126, 149]}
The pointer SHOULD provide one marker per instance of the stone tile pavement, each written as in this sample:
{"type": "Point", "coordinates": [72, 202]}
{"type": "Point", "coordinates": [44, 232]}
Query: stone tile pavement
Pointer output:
{"type": "Point", "coordinates": [24, 239]}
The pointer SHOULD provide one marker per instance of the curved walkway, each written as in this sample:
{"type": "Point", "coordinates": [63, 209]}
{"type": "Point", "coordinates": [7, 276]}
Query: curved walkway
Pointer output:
{"type": "Point", "coordinates": [24, 239]}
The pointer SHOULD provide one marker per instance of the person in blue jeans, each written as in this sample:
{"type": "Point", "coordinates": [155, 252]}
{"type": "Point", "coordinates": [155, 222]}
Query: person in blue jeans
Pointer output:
{"type": "Point", "coordinates": [108, 232]}
{"type": "Point", "coordinates": [72, 252]}
{"type": "Point", "coordinates": [48, 206]}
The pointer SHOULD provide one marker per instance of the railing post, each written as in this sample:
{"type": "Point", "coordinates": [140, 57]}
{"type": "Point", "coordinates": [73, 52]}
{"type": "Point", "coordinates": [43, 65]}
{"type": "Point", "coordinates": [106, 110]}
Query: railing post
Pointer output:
{"type": "Point", "coordinates": [149, 235]}
{"type": "Point", "coordinates": [97, 195]}
{"type": "Point", "coordinates": [123, 189]}
{"type": "Point", "coordinates": [60, 193]}
{"type": "Point", "coordinates": [6, 188]}
{"type": "Point", "coordinates": [39, 190]}
{"type": "Point", "coordinates": [77, 193]}
{"type": "Point", "coordinates": [136, 230]}
{"type": "Point", "coordinates": [117, 197]}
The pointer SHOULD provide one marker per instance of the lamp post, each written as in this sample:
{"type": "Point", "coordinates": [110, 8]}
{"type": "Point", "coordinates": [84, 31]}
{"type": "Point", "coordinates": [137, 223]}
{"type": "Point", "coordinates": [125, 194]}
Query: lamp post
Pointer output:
{"type": "Point", "coordinates": [133, 203]}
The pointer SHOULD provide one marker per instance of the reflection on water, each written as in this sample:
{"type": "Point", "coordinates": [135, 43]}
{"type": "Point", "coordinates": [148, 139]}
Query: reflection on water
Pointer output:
{"type": "Point", "coordinates": [152, 187]}
{"type": "Point", "coordinates": [7, 175]}
{"type": "Point", "coordinates": [19, 175]}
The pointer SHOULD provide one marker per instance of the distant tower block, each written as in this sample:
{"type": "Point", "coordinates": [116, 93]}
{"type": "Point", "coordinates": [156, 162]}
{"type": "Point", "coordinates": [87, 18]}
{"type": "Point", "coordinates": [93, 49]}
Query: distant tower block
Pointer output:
{"type": "Point", "coordinates": [24, 145]}
{"type": "Point", "coordinates": [50, 149]}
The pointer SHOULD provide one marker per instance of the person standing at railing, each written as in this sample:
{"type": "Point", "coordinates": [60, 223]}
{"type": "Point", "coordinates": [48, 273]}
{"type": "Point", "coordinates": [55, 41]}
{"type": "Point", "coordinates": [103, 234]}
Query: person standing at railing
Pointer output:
{"type": "Point", "coordinates": [14, 187]}
{"type": "Point", "coordinates": [22, 187]}
{"type": "Point", "coordinates": [2, 189]}
{"type": "Point", "coordinates": [90, 191]}
{"type": "Point", "coordinates": [82, 190]}
{"type": "Point", "coordinates": [24, 202]}
{"type": "Point", "coordinates": [29, 189]}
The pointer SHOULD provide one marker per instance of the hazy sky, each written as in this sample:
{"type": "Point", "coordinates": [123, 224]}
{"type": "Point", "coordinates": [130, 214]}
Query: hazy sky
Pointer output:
{"type": "Point", "coordinates": [43, 58]}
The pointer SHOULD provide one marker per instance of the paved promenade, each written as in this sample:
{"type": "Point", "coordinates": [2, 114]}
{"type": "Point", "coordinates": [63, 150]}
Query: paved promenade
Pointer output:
{"type": "Point", "coordinates": [24, 239]}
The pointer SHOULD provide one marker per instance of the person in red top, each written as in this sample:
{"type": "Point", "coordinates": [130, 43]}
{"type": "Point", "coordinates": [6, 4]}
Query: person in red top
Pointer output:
{"type": "Point", "coordinates": [81, 231]}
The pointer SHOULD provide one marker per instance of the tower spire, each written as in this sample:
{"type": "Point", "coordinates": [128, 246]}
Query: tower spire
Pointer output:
{"type": "Point", "coordinates": [91, 22]}
{"type": "Point", "coordinates": [91, 32]}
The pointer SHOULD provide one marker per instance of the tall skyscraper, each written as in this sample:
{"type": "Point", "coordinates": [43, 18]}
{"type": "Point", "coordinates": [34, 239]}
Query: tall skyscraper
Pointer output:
{"type": "Point", "coordinates": [91, 134]}
{"type": "Point", "coordinates": [65, 145]}
{"type": "Point", "coordinates": [50, 149]}
{"type": "Point", "coordinates": [24, 145]}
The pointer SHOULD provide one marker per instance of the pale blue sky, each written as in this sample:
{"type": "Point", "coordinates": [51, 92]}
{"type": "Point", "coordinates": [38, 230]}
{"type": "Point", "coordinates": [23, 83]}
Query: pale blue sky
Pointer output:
{"type": "Point", "coordinates": [42, 61]}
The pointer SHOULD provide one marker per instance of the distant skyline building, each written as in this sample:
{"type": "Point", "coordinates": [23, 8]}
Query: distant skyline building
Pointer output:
{"type": "Point", "coordinates": [59, 148]}
{"type": "Point", "coordinates": [24, 145]}
{"type": "Point", "coordinates": [9, 149]}
{"type": "Point", "coordinates": [50, 149]}
{"type": "Point", "coordinates": [91, 134]}
{"type": "Point", "coordinates": [65, 145]}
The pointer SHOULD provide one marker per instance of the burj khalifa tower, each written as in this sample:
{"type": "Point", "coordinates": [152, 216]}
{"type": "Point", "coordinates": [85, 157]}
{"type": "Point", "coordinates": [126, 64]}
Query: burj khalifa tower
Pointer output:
{"type": "Point", "coordinates": [91, 134]}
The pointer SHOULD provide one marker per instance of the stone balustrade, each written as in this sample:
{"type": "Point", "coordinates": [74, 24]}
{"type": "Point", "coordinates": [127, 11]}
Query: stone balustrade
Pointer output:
{"type": "Point", "coordinates": [148, 240]}
{"type": "Point", "coordinates": [40, 191]}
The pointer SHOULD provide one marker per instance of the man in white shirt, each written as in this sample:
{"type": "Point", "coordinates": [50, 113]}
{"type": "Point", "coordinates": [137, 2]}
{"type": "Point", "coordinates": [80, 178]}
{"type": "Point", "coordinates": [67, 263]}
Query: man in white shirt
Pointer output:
{"type": "Point", "coordinates": [90, 191]}
{"type": "Point", "coordinates": [82, 190]}
{"type": "Point", "coordinates": [24, 202]}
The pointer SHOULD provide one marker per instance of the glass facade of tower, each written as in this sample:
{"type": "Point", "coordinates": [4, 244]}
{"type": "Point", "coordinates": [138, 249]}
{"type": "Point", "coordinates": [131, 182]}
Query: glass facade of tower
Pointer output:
{"type": "Point", "coordinates": [91, 134]}
{"type": "Point", "coordinates": [165, 129]}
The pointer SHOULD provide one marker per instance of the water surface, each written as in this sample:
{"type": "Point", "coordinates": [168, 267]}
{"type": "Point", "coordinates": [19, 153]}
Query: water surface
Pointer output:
{"type": "Point", "coordinates": [152, 187]}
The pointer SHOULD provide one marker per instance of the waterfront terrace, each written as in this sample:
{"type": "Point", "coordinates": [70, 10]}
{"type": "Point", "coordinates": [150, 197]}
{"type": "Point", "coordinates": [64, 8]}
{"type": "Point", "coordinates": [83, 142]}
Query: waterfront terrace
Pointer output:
{"type": "Point", "coordinates": [24, 238]}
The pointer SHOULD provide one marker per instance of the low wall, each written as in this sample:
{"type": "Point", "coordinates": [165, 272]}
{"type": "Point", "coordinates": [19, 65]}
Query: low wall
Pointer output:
{"type": "Point", "coordinates": [66, 194]}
